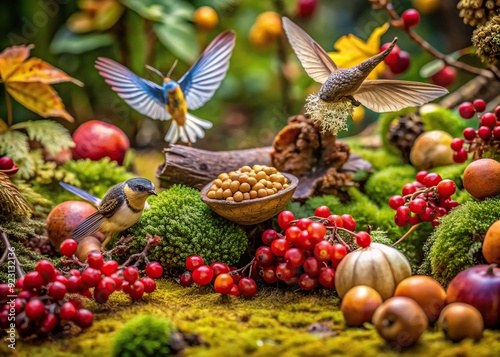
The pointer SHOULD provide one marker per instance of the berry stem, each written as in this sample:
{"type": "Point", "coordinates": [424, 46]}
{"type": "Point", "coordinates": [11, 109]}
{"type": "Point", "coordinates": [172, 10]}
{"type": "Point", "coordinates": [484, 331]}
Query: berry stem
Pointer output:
{"type": "Point", "coordinates": [403, 237]}
{"type": "Point", "coordinates": [8, 247]}
{"type": "Point", "coordinates": [142, 256]}
{"type": "Point", "coordinates": [490, 73]}
{"type": "Point", "coordinates": [242, 270]}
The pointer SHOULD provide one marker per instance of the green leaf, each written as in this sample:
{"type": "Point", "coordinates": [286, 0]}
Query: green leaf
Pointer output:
{"type": "Point", "coordinates": [179, 38]}
{"type": "Point", "coordinates": [66, 41]}
{"type": "Point", "coordinates": [53, 136]}
{"type": "Point", "coordinates": [15, 144]}
{"type": "Point", "coordinates": [158, 10]}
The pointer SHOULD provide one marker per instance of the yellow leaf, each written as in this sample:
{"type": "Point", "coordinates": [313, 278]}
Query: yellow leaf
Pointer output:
{"type": "Point", "coordinates": [36, 70]}
{"type": "Point", "coordinates": [352, 50]}
{"type": "Point", "coordinates": [11, 58]}
{"type": "Point", "coordinates": [40, 98]}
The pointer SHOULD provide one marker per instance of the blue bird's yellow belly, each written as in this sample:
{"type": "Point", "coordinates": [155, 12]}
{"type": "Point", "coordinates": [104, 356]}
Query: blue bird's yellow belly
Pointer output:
{"type": "Point", "coordinates": [177, 106]}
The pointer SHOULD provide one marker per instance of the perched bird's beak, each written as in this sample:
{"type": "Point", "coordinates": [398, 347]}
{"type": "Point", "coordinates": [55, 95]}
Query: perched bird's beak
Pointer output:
{"type": "Point", "coordinates": [153, 192]}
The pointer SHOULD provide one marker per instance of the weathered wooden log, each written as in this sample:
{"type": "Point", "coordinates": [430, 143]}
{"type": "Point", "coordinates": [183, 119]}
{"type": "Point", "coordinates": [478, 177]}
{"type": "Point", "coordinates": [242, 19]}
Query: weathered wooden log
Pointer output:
{"type": "Point", "coordinates": [195, 167]}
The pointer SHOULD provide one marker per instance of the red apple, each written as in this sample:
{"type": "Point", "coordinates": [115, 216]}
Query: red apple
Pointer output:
{"type": "Point", "coordinates": [96, 139]}
{"type": "Point", "coordinates": [478, 286]}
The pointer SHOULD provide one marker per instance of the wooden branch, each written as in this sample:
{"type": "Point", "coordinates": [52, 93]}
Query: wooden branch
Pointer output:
{"type": "Point", "coordinates": [195, 167]}
{"type": "Point", "coordinates": [478, 87]}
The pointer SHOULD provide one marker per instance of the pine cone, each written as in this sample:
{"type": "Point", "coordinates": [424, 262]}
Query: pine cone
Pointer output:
{"type": "Point", "coordinates": [486, 40]}
{"type": "Point", "coordinates": [403, 133]}
{"type": "Point", "coordinates": [477, 12]}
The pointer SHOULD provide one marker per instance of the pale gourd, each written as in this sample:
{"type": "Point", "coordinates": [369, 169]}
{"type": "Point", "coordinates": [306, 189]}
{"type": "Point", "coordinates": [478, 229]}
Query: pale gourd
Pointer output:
{"type": "Point", "coordinates": [378, 266]}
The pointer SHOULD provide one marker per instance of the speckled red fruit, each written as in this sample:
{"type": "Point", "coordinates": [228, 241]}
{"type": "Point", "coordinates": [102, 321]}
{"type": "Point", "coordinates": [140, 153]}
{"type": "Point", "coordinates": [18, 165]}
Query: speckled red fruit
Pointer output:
{"type": "Point", "coordinates": [64, 217]}
{"type": "Point", "coordinates": [96, 139]}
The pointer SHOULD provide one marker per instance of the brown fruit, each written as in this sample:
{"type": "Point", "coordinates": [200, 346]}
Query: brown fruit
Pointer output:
{"type": "Point", "coordinates": [359, 304]}
{"type": "Point", "coordinates": [86, 246]}
{"type": "Point", "coordinates": [481, 178]}
{"type": "Point", "coordinates": [400, 321]}
{"type": "Point", "coordinates": [64, 217]}
{"type": "Point", "coordinates": [432, 149]}
{"type": "Point", "coordinates": [459, 321]}
{"type": "Point", "coordinates": [426, 292]}
{"type": "Point", "coordinates": [491, 244]}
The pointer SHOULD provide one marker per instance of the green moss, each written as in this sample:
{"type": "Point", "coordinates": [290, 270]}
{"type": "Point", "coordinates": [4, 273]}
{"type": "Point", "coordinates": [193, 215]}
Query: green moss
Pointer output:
{"type": "Point", "coordinates": [444, 119]}
{"type": "Point", "coordinates": [187, 227]}
{"type": "Point", "coordinates": [456, 243]}
{"type": "Point", "coordinates": [389, 181]}
{"type": "Point", "coordinates": [144, 336]}
{"type": "Point", "coordinates": [379, 158]}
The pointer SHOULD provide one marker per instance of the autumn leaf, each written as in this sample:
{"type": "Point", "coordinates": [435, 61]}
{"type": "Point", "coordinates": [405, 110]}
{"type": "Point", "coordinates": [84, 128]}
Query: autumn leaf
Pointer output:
{"type": "Point", "coordinates": [28, 81]}
{"type": "Point", "coordinates": [352, 50]}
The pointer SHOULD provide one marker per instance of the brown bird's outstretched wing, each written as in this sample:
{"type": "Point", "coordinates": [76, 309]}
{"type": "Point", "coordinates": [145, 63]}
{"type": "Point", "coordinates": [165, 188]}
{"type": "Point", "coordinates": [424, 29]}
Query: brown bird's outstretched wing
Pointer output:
{"type": "Point", "coordinates": [392, 95]}
{"type": "Point", "coordinates": [88, 226]}
{"type": "Point", "coordinates": [314, 59]}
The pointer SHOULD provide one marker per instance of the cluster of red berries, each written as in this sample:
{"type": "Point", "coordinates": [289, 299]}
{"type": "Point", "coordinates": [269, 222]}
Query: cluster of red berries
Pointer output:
{"type": "Point", "coordinates": [7, 166]}
{"type": "Point", "coordinates": [484, 139]}
{"type": "Point", "coordinates": [107, 277]}
{"type": "Point", "coordinates": [226, 280]}
{"type": "Point", "coordinates": [397, 60]}
{"type": "Point", "coordinates": [38, 303]}
{"type": "Point", "coordinates": [424, 200]}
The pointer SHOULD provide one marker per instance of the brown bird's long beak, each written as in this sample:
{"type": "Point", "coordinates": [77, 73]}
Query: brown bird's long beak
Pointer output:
{"type": "Point", "coordinates": [153, 192]}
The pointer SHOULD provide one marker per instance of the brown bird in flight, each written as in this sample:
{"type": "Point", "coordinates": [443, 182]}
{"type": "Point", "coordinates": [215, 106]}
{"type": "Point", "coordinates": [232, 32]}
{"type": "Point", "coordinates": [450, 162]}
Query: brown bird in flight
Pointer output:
{"type": "Point", "coordinates": [351, 83]}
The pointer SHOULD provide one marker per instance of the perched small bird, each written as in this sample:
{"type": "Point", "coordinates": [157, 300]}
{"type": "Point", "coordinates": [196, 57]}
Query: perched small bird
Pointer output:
{"type": "Point", "coordinates": [173, 99]}
{"type": "Point", "coordinates": [120, 208]}
{"type": "Point", "coordinates": [351, 83]}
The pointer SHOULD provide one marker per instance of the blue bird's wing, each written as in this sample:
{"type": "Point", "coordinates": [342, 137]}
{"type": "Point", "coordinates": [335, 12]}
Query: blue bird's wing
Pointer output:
{"type": "Point", "coordinates": [81, 193]}
{"type": "Point", "coordinates": [204, 77]}
{"type": "Point", "coordinates": [144, 96]}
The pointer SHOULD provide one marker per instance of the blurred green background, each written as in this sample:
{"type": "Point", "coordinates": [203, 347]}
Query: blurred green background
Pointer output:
{"type": "Point", "coordinates": [251, 105]}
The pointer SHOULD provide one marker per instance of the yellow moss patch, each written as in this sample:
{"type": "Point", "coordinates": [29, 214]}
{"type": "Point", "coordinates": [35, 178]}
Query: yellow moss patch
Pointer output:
{"type": "Point", "coordinates": [274, 323]}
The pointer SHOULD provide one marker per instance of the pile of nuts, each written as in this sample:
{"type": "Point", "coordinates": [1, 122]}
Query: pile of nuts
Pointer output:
{"type": "Point", "coordinates": [247, 183]}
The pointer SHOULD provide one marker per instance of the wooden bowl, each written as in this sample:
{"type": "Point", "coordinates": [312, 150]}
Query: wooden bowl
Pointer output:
{"type": "Point", "coordinates": [255, 210]}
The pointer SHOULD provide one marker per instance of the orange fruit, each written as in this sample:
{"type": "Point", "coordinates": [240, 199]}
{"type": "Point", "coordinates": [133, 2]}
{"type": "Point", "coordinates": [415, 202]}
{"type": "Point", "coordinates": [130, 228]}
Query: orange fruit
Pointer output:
{"type": "Point", "coordinates": [206, 18]}
{"type": "Point", "coordinates": [491, 244]}
{"type": "Point", "coordinates": [270, 22]}
{"type": "Point", "coordinates": [481, 178]}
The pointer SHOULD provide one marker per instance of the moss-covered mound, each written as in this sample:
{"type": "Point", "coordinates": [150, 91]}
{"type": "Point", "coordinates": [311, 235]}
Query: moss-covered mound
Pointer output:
{"type": "Point", "coordinates": [144, 336]}
{"type": "Point", "coordinates": [187, 227]}
{"type": "Point", "coordinates": [456, 243]}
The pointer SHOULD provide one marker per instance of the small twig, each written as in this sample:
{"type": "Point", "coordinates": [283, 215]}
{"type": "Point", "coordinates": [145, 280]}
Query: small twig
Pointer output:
{"type": "Point", "coordinates": [142, 256]}
{"type": "Point", "coordinates": [6, 244]}
{"type": "Point", "coordinates": [397, 22]}
{"type": "Point", "coordinates": [242, 270]}
{"type": "Point", "coordinates": [403, 237]}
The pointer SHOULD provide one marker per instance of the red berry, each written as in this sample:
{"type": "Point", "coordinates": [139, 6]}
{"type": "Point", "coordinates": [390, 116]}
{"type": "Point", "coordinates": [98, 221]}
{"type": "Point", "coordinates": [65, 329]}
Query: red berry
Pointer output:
{"type": "Point", "coordinates": [496, 132]}
{"type": "Point", "coordinates": [408, 189]}
{"type": "Point", "coordinates": [49, 323]}
{"type": "Point", "coordinates": [317, 231]}
{"type": "Point", "coordinates": [193, 262]}
{"type": "Point", "coordinates": [446, 188]}
{"type": "Point", "coordinates": [186, 279]}
{"type": "Point", "coordinates": [110, 267]}
{"type": "Point", "coordinates": [403, 214]}
{"type": "Point", "coordinates": [312, 266]}
{"type": "Point", "coordinates": [219, 268]}
{"type": "Point", "coordinates": [136, 290]}
{"type": "Point", "coordinates": [75, 272]}
{"type": "Point", "coordinates": [284, 271]}
{"type": "Point", "coordinates": [414, 220]}
{"type": "Point", "coordinates": [322, 211]}
{"type": "Point", "coordinates": [6, 163]}
{"type": "Point", "coordinates": [323, 250]}
{"type": "Point", "coordinates": [306, 242]}
{"type": "Point", "coordinates": [348, 222]}
{"type": "Point", "coordinates": [5, 290]}
{"type": "Point", "coordinates": [432, 179]}
{"type": "Point", "coordinates": [295, 257]}
{"type": "Point", "coordinates": [149, 284]}
{"type": "Point", "coordinates": [84, 318]}
{"type": "Point", "coordinates": [469, 134]}
{"type": "Point", "coordinates": [280, 246]}
{"type": "Point", "coordinates": [418, 205]}
{"type": "Point", "coordinates": [457, 144]}
{"type": "Point", "coordinates": [264, 256]}
{"type": "Point", "coordinates": [33, 281]}
{"type": "Point", "coordinates": [68, 247]}
{"type": "Point", "coordinates": [154, 270]}
{"type": "Point", "coordinates": [466, 110]}
{"type": "Point", "coordinates": [396, 201]}
{"type": "Point", "coordinates": [292, 234]}
{"type": "Point", "coordinates": [130, 274]}
{"type": "Point", "coordinates": [410, 17]}
{"type": "Point", "coordinates": [444, 77]}
{"type": "Point", "coordinates": [35, 310]}
{"type": "Point", "coordinates": [339, 251]}
{"type": "Point", "coordinates": [67, 311]}
{"type": "Point", "coordinates": [489, 120]}
{"type": "Point", "coordinates": [95, 260]}
{"type": "Point", "coordinates": [479, 105]}
{"type": "Point", "coordinates": [303, 223]}
{"type": "Point", "coordinates": [335, 220]}
{"type": "Point", "coordinates": [284, 219]}
{"type": "Point", "coordinates": [203, 275]}
{"type": "Point", "coordinates": [118, 281]}
{"type": "Point", "coordinates": [402, 63]}
{"type": "Point", "coordinates": [268, 236]}
{"type": "Point", "coordinates": [57, 290]}
{"type": "Point", "coordinates": [223, 283]}
{"type": "Point", "coordinates": [484, 132]}
{"type": "Point", "coordinates": [307, 283]}
{"type": "Point", "coordinates": [363, 239]}
{"type": "Point", "coordinates": [234, 291]}
{"type": "Point", "coordinates": [269, 274]}
{"type": "Point", "coordinates": [497, 112]}
{"type": "Point", "coordinates": [393, 57]}
{"type": "Point", "coordinates": [247, 287]}
{"type": "Point", "coordinates": [306, 8]}
{"type": "Point", "coordinates": [73, 284]}
{"type": "Point", "coordinates": [420, 176]}
{"type": "Point", "coordinates": [25, 294]}
{"type": "Point", "coordinates": [47, 270]}
{"type": "Point", "coordinates": [101, 296]}
{"type": "Point", "coordinates": [107, 284]}
{"type": "Point", "coordinates": [91, 277]}
{"type": "Point", "coordinates": [326, 277]}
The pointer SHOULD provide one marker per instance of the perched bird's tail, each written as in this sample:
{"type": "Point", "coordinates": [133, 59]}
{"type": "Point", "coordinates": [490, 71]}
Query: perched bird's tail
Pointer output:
{"type": "Point", "coordinates": [192, 130]}
{"type": "Point", "coordinates": [81, 193]}
{"type": "Point", "coordinates": [88, 226]}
